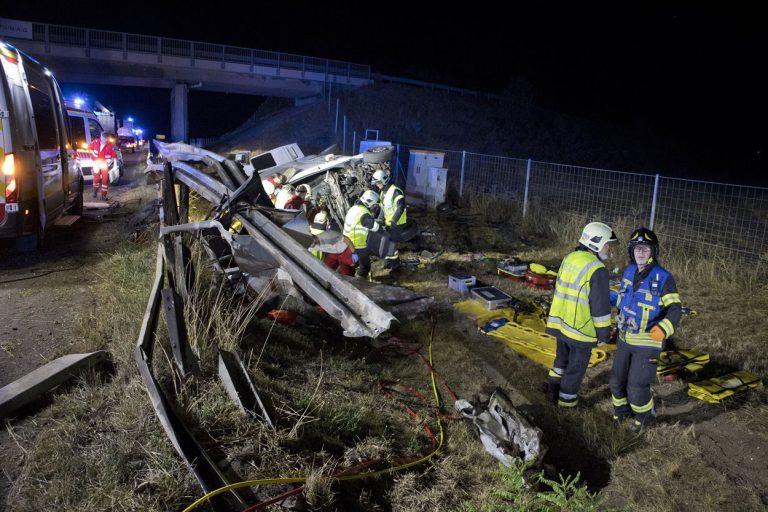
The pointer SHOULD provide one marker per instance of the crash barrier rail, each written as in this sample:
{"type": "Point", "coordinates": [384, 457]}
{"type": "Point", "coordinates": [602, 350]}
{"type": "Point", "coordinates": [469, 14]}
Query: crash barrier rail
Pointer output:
{"type": "Point", "coordinates": [731, 219]}
{"type": "Point", "coordinates": [194, 50]}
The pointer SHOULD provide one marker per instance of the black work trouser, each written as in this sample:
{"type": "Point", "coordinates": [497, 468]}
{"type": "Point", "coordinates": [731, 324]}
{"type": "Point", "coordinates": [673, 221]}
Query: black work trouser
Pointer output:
{"type": "Point", "coordinates": [571, 362]}
{"type": "Point", "coordinates": [632, 373]}
{"type": "Point", "coordinates": [364, 263]}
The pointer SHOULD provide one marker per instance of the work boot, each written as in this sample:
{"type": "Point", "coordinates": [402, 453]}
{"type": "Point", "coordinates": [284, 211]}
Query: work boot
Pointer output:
{"type": "Point", "coordinates": [105, 198]}
{"type": "Point", "coordinates": [635, 427]}
{"type": "Point", "coordinates": [618, 420]}
{"type": "Point", "coordinates": [95, 193]}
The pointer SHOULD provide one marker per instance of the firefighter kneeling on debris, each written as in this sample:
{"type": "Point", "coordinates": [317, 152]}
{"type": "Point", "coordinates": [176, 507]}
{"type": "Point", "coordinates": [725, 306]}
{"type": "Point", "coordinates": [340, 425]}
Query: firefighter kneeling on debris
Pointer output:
{"type": "Point", "coordinates": [103, 155]}
{"type": "Point", "coordinates": [393, 211]}
{"type": "Point", "coordinates": [649, 311]}
{"type": "Point", "coordinates": [580, 314]}
{"type": "Point", "coordinates": [358, 222]}
{"type": "Point", "coordinates": [331, 247]}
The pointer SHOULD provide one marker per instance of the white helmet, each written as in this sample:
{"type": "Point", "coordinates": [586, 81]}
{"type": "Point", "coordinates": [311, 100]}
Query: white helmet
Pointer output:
{"type": "Point", "coordinates": [380, 177]}
{"type": "Point", "coordinates": [369, 198]}
{"type": "Point", "coordinates": [321, 217]}
{"type": "Point", "coordinates": [303, 189]}
{"type": "Point", "coordinates": [595, 235]}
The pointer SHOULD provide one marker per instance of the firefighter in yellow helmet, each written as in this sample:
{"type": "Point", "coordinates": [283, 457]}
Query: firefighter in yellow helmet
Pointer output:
{"type": "Point", "coordinates": [649, 311]}
{"type": "Point", "coordinates": [358, 222]}
{"type": "Point", "coordinates": [580, 315]}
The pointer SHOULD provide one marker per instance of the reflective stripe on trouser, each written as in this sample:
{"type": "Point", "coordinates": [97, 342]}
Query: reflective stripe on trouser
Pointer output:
{"type": "Point", "coordinates": [573, 358]}
{"type": "Point", "coordinates": [100, 175]}
{"type": "Point", "coordinates": [633, 372]}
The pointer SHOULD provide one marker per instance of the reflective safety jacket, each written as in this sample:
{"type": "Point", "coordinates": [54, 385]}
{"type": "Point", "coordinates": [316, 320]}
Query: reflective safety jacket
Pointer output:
{"type": "Point", "coordinates": [102, 154]}
{"type": "Point", "coordinates": [581, 307]}
{"type": "Point", "coordinates": [650, 300]}
{"type": "Point", "coordinates": [354, 227]}
{"type": "Point", "coordinates": [392, 203]}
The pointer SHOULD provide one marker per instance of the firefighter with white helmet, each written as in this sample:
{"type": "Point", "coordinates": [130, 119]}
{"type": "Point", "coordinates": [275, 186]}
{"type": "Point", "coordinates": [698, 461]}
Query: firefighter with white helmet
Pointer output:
{"type": "Point", "coordinates": [649, 311]}
{"type": "Point", "coordinates": [358, 222]}
{"type": "Point", "coordinates": [580, 315]}
{"type": "Point", "coordinates": [331, 247]}
{"type": "Point", "coordinates": [392, 201]}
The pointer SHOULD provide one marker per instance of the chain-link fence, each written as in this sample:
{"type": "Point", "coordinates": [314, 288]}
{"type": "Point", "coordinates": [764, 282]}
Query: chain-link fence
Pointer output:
{"type": "Point", "coordinates": [733, 219]}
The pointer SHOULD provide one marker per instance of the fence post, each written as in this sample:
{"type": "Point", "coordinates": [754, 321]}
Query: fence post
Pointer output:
{"type": "Point", "coordinates": [653, 205]}
{"type": "Point", "coordinates": [398, 181]}
{"type": "Point", "coordinates": [354, 140]}
{"type": "Point", "coordinates": [461, 177]}
{"type": "Point", "coordinates": [336, 123]}
{"type": "Point", "coordinates": [344, 136]}
{"type": "Point", "coordinates": [527, 182]}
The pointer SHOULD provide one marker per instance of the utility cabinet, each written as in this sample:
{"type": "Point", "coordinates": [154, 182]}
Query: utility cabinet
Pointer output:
{"type": "Point", "coordinates": [426, 181]}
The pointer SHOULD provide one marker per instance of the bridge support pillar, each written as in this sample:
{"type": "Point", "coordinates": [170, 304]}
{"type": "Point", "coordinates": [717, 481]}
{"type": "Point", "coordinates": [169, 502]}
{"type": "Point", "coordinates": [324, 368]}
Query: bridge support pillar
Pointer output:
{"type": "Point", "coordinates": [179, 113]}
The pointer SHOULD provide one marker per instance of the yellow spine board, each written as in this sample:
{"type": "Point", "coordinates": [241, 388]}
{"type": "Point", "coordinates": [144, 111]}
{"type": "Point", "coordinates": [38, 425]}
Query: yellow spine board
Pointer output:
{"type": "Point", "coordinates": [716, 389]}
{"type": "Point", "coordinates": [671, 361]}
{"type": "Point", "coordinates": [526, 337]}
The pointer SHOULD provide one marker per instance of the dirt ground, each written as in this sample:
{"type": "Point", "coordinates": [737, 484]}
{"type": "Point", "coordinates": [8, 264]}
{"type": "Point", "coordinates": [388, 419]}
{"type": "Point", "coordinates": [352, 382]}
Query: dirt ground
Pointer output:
{"type": "Point", "coordinates": [44, 291]}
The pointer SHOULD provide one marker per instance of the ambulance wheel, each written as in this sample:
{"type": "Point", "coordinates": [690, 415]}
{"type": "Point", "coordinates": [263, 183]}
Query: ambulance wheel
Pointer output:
{"type": "Point", "coordinates": [378, 154]}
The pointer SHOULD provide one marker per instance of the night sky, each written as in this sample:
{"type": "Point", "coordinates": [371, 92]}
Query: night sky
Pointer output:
{"type": "Point", "coordinates": [696, 75]}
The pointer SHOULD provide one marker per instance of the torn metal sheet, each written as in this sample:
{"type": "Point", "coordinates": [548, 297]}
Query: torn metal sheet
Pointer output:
{"type": "Point", "coordinates": [185, 360]}
{"type": "Point", "coordinates": [504, 432]}
{"type": "Point", "coordinates": [357, 314]}
{"type": "Point", "coordinates": [199, 462]}
{"type": "Point", "coordinates": [240, 388]}
{"type": "Point", "coordinates": [36, 383]}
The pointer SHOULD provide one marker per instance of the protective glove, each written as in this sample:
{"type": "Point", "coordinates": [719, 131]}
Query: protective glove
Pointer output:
{"type": "Point", "coordinates": [355, 258]}
{"type": "Point", "coordinates": [657, 333]}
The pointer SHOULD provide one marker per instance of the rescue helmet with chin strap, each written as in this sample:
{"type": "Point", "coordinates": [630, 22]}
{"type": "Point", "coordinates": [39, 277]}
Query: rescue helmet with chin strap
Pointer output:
{"type": "Point", "coordinates": [595, 235]}
{"type": "Point", "coordinates": [369, 198]}
{"type": "Point", "coordinates": [643, 236]}
{"type": "Point", "coordinates": [380, 178]}
{"type": "Point", "coordinates": [319, 222]}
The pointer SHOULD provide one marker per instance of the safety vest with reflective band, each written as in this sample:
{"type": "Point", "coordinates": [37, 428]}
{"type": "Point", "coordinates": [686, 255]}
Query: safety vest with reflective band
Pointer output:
{"type": "Point", "coordinates": [389, 205]}
{"type": "Point", "coordinates": [354, 229]}
{"type": "Point", "coordinates": [642, 308]}
{"type": "Point", "coordinates": [570, 313]}
{"type": "Point", "coordinates": [317, 254]}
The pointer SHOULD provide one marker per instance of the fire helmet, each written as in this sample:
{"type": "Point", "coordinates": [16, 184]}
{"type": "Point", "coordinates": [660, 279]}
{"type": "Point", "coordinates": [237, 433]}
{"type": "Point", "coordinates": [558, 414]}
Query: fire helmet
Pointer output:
{"type": "Point", "coordinates": [643, 236]}
{"type": "Point", "coordinates": [595, 235]}
{"type": "Point", "coordinates": [369, 198]}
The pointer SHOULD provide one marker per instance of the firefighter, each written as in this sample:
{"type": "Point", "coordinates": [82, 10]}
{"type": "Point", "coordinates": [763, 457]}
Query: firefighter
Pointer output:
{"type": "Point", "coordinates": [580, 315]}
{"type": "Point", "coordinates": [318, 226]}
{"type": "Point", "coordinates": [358, 222]}
{"type": "Point", "coordinates": [299, 198]}
{"type": "Point", "coordinates": [272, 185]}
{"type": "Point", "coordinates": [103, 155]}
{"type": "Point", "coordinates": [392, 200]}
{"type": "Point", "coordinates": [649, 310]}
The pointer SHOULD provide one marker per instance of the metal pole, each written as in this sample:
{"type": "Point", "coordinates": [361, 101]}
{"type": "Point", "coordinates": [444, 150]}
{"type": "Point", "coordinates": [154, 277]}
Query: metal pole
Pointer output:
{"type": "Point", "coordinates": [344, 136]}
{"type": "Point", "coordinates": [354, 140]}
{"type": "Point", "coordinates": [397, 167]}
{"type": "Point", "coordinates": [653, 205]}
{"type": "Point", "coordinates": [336, 125]}
{"type": "Point", "coordinates": [461, 178]}
{"type": "Point", "coordinates": [527, 182]}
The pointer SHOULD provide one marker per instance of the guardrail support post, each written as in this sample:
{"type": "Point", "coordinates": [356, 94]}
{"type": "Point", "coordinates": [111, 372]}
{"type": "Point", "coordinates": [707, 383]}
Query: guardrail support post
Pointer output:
{"type": "Point", "coordinates": [461, 178]}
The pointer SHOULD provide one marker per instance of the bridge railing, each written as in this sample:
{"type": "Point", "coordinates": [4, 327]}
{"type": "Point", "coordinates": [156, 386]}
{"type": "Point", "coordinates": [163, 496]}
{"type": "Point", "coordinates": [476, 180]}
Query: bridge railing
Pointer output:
{"type": "Point", "coordinates": [194, 50]}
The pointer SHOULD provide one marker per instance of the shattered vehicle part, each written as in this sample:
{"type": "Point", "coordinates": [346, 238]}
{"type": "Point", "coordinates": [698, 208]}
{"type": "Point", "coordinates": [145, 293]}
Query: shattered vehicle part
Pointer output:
{"type": "Point", "coordinates": [208, 474]}
{"type": "Point", "coordinates": [357, 314]}
{"type": "Point", "coordinates": [504, 432]}
{"type": "Point", "coordinates": [240, 388]}
{"type": "Point", "coordinates": [39, 381]}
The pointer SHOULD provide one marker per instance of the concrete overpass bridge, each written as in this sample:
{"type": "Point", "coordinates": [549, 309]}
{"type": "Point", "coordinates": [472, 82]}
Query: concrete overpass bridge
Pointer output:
{"type": "Point", "coordinates": [115, 58]}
